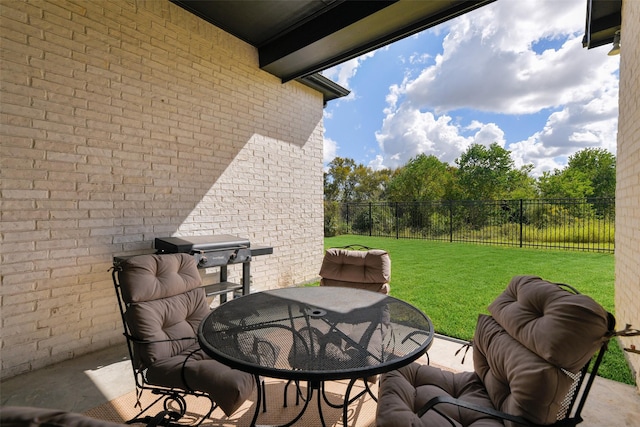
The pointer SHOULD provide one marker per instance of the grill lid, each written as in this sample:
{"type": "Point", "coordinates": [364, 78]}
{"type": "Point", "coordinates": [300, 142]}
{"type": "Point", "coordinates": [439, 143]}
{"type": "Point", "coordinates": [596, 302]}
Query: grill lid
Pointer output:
{"type": "Point", "coordinates": [192, 244]}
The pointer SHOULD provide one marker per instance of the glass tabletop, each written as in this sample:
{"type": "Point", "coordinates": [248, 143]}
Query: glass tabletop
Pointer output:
{"type": "Point", "coordinates": [316, 333]}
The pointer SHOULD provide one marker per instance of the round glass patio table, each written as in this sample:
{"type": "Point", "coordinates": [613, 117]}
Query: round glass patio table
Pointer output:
{"type": "Point", "coordinates": [316, 334]}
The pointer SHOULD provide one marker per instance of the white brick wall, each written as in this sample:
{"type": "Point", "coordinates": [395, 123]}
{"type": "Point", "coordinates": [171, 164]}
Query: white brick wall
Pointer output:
{"type": "Point", "coordinates": [628, 181]}
{"type": "Point", "coordinates": [123, 121]}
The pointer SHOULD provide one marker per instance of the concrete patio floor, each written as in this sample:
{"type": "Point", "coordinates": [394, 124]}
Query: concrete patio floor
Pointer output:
{"type": "Point", "coordinates": [86, 382]}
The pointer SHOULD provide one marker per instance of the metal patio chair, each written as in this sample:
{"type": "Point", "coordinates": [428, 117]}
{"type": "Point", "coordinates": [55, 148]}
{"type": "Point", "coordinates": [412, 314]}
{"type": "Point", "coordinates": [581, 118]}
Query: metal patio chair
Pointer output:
{"type": "Point", "coordinates": [162, 303]}
{"type": "Point", "coordinates": [531, 359]}
{"type": "Point", "coordinates": [356, 266]}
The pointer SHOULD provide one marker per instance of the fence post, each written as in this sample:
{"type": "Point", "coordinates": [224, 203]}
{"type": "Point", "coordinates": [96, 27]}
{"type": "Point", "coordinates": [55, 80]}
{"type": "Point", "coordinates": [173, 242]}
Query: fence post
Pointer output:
{"type": "Point", "coordinates": [348, 227]}
{"type": "Point", "coordinates": [450, 221]}
{"type": "Point", "coordinates": [370, 220]}
{"type": "Point", "coordinates": [397, 223]}
{"type": "Point", "coordinates": [521, 221]}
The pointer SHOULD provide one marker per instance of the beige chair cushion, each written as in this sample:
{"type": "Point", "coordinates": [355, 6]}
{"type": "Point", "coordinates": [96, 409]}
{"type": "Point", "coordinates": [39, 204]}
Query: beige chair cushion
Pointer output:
{"type": "Point", "coordinates": [537, 331]}
{"type": "Point", "coordinates": [518, 381]}
{"type": "Point", "coordinates": [563, 328]}
{"type": "Point", "coordinates": [166, 325]}
{"type": "Point", "coordinates": [152, 277]}
{"type": "Point", "coordinates": [166, 306]}
{"type": "Point", "coordinates": [369, 269]}
{"type": "Point", "coordinates": [404, 391]}
{"type": "Point", "coordinates": [229, 388]}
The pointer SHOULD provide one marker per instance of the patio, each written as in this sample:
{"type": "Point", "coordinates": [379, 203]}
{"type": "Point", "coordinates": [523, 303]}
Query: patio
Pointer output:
{"type": "Point", "coordinates": [117, 133]}
{"type": "Point", "coordinates": [91, 381]}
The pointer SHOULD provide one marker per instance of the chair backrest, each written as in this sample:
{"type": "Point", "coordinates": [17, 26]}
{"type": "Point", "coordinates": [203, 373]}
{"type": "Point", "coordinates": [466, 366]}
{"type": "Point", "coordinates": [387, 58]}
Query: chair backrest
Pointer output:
{"type": "Point", "coordinates": [532, 352]}
{"type": "Point", "coordinates": [364, 269]}
{"type": "Point", "coordinates": [162, 305]}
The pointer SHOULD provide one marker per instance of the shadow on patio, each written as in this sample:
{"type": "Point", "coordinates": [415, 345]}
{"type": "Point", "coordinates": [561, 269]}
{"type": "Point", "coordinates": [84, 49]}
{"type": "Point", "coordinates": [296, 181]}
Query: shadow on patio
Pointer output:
{"type": "Point", "coordinates": [87, 384]}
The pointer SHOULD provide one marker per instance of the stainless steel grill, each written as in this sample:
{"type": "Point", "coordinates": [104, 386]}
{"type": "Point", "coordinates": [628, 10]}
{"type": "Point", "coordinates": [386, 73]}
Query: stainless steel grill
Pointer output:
{"type": "Point", "coordinates": [217, 251]}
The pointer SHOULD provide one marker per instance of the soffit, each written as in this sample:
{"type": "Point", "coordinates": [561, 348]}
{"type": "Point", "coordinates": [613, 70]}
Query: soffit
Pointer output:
{"type": "Point", "coordinates": [298, 38]}
{"type": "Point", "coordinates": [604, 18]}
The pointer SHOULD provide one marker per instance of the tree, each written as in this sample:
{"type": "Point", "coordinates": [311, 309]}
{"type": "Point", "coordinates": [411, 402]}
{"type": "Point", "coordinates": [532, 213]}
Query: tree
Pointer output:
{"type": "Point", "coordinates": [338, 181]}
{"type": "Point", "coordinates": [347, 182]}
{"type": "Point", "coordinates": [370, 185]}
{"type": "Point", "coordinates": [483, 172]}
{"type": "Point", "coordinates": [589, 173]}
{"type": "Point", "coordinates": [422, 178]}
{"type": "Point", "coordinates": [564, 184]}
{"type": "Point", "coordinates": [520, 183]}
{"type": "Point", "coordinates": [599, 167]}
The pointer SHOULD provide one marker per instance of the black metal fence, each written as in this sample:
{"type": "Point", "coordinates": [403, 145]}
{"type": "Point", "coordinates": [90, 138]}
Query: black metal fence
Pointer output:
{"type": "Point", "coordinates": [575, 224]}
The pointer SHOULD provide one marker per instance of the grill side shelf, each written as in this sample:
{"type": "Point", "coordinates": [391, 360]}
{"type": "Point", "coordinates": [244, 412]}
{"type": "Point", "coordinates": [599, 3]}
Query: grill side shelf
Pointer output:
{"type": "Point", "coordinates": [221, 288]}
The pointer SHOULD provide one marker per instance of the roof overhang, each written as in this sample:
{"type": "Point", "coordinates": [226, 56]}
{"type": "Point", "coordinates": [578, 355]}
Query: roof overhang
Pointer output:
{"type": "Point", "coordinates": [296, 39]}
{"type": "Point", "coordinates": [604, 18]}
{"type": "Point", "coordinates": [330, 89]}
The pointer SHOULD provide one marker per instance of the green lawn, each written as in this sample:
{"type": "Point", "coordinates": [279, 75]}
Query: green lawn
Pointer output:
{"type": "Point", "coordinates": [453, 282]}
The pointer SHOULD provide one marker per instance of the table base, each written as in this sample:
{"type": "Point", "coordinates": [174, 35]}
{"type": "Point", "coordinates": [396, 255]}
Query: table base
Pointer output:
{"type": "Point", "coordinates": [313, 386]}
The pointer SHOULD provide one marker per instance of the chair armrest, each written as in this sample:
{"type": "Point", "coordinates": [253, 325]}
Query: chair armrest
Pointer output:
{"type": "Point", "coordinates": [356, 247]}
{"type": "Point", "coordinates": [471, 406]}
{"type": "Point", "coordinates": [139, 341]}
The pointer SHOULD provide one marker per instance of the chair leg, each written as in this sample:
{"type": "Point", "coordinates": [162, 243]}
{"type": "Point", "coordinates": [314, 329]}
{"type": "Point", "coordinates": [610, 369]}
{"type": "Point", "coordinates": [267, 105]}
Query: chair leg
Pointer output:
{"type": "Point", "coordinates": [264, 395]}
{"type": "Point", "coordinates": [168, 417]}
{"type": "Point", "coordinates": [298, 392]}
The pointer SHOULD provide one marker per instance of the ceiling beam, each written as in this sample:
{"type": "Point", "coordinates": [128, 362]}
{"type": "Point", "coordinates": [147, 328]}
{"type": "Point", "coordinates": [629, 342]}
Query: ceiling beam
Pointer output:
{"type": "Point", "coordinates": [317, 28]}
{"type": "Point", "coordinates": [394, 22]}
{"type": "Point", "coordinates": [604, 18]}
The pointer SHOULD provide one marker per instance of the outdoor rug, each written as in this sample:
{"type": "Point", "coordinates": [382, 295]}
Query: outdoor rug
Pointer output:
{"type": "Point", "coordinates": [361, 412]}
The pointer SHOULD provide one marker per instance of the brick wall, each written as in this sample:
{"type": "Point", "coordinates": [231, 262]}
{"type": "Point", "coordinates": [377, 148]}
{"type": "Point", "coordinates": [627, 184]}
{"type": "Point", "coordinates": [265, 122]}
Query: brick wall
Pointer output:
{"type": "Point", "coordinates": [126, 120]}
{"type": "Point", "coordinates": [628, 181]}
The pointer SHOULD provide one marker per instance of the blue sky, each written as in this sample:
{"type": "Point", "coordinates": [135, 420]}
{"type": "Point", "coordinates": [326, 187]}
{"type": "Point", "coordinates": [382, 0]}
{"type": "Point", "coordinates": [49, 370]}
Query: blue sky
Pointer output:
{"type": "Point", "coordinates": [513, 72]}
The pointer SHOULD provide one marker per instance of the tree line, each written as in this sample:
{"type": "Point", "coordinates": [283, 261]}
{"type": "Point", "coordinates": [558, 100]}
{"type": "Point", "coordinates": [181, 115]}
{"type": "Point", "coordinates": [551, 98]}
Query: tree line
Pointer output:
{"type": "Point", "coordinates": [480, 173]}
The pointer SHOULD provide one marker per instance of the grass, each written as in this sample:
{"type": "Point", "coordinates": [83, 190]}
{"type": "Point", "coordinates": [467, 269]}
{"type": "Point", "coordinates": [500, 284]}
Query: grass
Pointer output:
{"type": "Point", "coordinates": [454, 282]}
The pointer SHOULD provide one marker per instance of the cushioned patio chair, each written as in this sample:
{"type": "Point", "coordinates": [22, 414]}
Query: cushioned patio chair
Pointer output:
{"type": "Point", "coordinates": [162, 303]}
{"type": "Point", "coordinates": [356, 266]}
{"type": "Point", "coordinates": [531, 358]}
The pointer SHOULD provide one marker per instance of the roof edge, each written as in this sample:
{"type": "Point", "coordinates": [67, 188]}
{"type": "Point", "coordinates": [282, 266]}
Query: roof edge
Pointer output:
{"type": "Point", "coordinates": [330, 90]}
{"type": "Point", "coordinates": [603, 19]}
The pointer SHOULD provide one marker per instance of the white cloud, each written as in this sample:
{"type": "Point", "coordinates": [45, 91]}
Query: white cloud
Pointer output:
{"type": "Point", "coordinates": [488, 134]}
{"type": "Point", "coordinates": [392, 99]}
{"type": "Point", "coordinates": [377, 163]}
{"type": "Point", "coordinates": [491, 62]}
{"type": "Point", "coordinates": [419, 58]}
{"type": "Point", "coordinates": [344, 72]}
{"type": "Point", "coordinates": [408, 132]}
{"type": "Point", "coordinates": [488, 62]}
{"type": "Point", "coordinates": [329, 150]}
{"type": "Point", "coordinates": [575, 127]}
